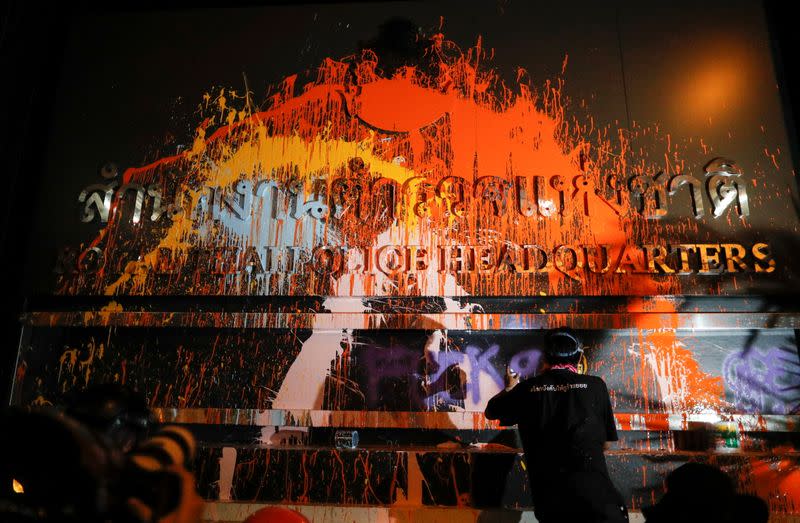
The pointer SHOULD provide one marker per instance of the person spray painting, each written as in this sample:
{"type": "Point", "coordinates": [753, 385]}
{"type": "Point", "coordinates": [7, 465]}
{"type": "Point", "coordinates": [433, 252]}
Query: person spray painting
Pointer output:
{"type": "Point", "coordinates": [564, 419]}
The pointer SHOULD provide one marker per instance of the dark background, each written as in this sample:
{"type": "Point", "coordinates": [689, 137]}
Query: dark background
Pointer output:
{"type": "Point", "coordinates": [32, 44]}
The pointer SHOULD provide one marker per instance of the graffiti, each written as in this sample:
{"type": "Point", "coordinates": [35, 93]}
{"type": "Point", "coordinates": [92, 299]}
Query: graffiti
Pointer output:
{"type": "Point", "coordinates": [764, 380]}
{"type": "Point", "coordinates": [438, 379]}
{"type": "Point", "coordinates": [481, 380]}
{"type": "Point", "coordinates": [406, 372]}
{"type": "Point", "coordinates": [652, 370]}
{"type": "Point", "coordinates": [526, 363]}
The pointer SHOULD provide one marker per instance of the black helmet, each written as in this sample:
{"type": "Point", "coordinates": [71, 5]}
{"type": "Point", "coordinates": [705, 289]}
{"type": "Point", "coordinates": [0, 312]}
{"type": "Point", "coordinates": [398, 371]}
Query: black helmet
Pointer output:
{"type": "Point", "coordinates": [562, 343]}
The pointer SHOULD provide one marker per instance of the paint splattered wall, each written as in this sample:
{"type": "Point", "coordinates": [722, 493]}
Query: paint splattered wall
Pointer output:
{"type": "Point", "coordinates": [276, 222]}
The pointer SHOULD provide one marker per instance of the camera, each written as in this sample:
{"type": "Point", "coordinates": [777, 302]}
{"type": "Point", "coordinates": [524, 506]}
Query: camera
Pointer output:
{"type": "Point", "coordinates": [146, 475]}
{"type": "Point", "coordinates": [55, 468]}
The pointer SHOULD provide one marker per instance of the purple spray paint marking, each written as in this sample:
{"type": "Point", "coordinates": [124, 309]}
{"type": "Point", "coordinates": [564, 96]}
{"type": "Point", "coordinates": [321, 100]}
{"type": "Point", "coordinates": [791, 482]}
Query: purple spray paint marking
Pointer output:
{"type": "Point", "coordinates": [526, 363]}
{"type": "Point", "coordinates": [764, 381]}
{"type": "Point", "coordinates": [462, 379]}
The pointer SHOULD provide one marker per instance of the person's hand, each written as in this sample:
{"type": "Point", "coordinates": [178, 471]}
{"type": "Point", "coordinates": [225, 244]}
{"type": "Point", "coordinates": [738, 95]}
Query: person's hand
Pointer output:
{"type": "Point", "coordinates": [511, 378]}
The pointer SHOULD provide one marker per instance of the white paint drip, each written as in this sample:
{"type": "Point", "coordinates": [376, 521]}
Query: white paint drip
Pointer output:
{"type": "Point", "coordinates": [304, 384]}
{"type": "Point", "coordinates": [669, 375]}
{"type": "Point", "coordinates": [227, 466]}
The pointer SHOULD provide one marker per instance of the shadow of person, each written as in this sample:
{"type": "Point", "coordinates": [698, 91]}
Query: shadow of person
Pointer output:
{"type": "Point", "coordinates": [397, 44]}
{"type": "Point", "coordinates": [748, 508]}
{"type": "Point", "coordinates": [491, 471]}
{"type": "Point", "coordinates": [696, 492]}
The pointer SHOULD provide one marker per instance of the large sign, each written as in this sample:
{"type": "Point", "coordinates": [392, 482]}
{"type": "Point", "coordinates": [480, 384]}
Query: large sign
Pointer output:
{"type": "Point", "coordinates": [433, 178]}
